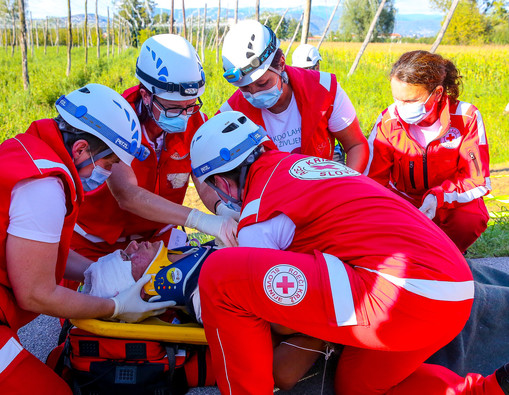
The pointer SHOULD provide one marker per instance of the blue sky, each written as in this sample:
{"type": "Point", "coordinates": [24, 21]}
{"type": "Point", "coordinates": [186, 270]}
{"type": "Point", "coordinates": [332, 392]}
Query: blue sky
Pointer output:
{"type": "Point", "coordinates": [43, 8]}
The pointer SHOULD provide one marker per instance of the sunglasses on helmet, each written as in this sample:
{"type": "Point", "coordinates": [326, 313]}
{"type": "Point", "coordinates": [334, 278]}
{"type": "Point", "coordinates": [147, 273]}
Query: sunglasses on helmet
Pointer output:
{"type": "Point", "coordinates": [183, 88]}
{"type": "Point", "coordinates": [235, 73]}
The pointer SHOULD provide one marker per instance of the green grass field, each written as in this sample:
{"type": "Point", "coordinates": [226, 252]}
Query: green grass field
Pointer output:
{"type": "Point", "coordinates": [485, 73]}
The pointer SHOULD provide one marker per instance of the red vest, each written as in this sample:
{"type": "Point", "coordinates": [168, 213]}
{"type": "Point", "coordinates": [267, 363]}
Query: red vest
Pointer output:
{"type": "Point", "coordinates": [100, 214]}
{"type": "Point", "coordinates": [340, 212]}
{"type": "Point", "coordinates": [315, 93]}
{"type": "Point", "coordinates": [38, 153]}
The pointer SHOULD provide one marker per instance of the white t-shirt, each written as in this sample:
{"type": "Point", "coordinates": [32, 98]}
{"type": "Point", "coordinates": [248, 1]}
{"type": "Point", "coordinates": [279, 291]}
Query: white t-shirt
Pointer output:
{"type": "Point", "coordinates": [284, 128]}
{"type": "Point", "coordinates": [37, 210]}
{"type": "Point", "coordinates": [276, 233]}
{"type": "Point", "coordinates": [425, 135]}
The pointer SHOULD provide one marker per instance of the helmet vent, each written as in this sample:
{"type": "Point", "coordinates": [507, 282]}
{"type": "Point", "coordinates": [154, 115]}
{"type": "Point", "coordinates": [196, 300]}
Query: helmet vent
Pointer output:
{"type": "Point", "coordinates": [250, 45]}
{"type": "Point", "coordinates": [230, 128]}
{"type": "Point", "coordinates": [309, 59]}
{"type": "Point", "coordinates": [253, 37]}
{"type": "Point", "coordinates": [249, 54]}
{"type": "Point", "coordinates": [84, 90]}
{"type": "Point", "coordinates": [242, 120]}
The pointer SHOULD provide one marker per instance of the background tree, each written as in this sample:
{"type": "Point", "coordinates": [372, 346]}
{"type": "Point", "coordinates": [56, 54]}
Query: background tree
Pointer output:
{"type": "Point", "coordinates": [357, 16]}
{"type": "Point", "coordinates": [292, 25]}
{"type": "Point", "coordinates": [498, 22]}
{"type": "Point", "coordinates": [137, 14]}
{"type": "Point", "coordinates": [468, 25]}
{"type": "Point", "coordinates": [476, 22]}
{"type": "Point", "coordinates": [272, 22]}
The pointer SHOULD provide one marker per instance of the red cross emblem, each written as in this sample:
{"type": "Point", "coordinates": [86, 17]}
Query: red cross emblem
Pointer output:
{"type": "Point", "coordinates": [450, 137]}
{"type": "Point", "coordinates": [285, 284]}
{"type": "Point", "coordinates": [325, 167]}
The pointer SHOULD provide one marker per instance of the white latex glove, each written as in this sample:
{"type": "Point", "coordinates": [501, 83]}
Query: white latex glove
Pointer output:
{"type": "Point", "coordinates": [429, 206]}
{"type": "Point", "coordinates": [130, 307]}
{"type": "Point", "coordinates": [225, 211]}
{"type": "Point", "coordinates": [224, 228]}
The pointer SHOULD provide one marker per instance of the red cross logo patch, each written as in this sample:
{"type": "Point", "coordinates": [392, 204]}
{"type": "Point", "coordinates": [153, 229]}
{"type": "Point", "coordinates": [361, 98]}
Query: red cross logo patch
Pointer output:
{"type": "Point", "coordinates": [451, 139]}
{"type": "Point", "coordinates": [312, 168]}
{"type": "Point", "coordinates": [285, 284]}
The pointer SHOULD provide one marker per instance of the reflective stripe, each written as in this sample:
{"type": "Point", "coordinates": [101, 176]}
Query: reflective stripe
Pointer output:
{"type": "Point", "coordinates": [462, 110]}
{"type": "Point", "coordinates": [226, 107]}
{"type": "Point", "coordinates": [255, 208]}
{"type": "Point", "coordinates": [342, 298]}
{"type": "Point", "coordinates": [325, 80]}
{"type": "Point", "coordinates": [250, 209]}
{"type": "Point", "coordinates": [470, 195]}
{"type": "Point", "coordinates": [449, 291]}
{"type": "Point", "coordinates": [224, 361]}
{"type": "Point", "coordinates": [8, 352]}
{"type": "Point", "coordinates": [481, 132]}
{"type": "Point", "coordinates": [96, 239]}
{"type": "Point", "coordinates": [47, 164]}
{"type": "Point", "coordinates": [371, 142]}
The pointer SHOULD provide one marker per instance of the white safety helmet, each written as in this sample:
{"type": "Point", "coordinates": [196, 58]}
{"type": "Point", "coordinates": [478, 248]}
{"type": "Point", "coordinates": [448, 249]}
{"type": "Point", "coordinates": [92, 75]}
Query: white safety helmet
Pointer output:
{"type": "Point", "coordinates": [305, 56]}
{"type": "Point", "coordinates": [248, 50]}
{"type": "Point", "coordinates": [170, 68]}
{"type": "Point", "coordinates": [102, 112]}
{"type": "Point", "coordinates": [223, 143]}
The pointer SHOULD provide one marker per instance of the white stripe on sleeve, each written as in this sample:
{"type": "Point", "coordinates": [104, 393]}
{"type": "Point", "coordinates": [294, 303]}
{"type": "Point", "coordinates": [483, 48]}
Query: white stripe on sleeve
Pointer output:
{"type": "Point", "coordinates": [342, 298]}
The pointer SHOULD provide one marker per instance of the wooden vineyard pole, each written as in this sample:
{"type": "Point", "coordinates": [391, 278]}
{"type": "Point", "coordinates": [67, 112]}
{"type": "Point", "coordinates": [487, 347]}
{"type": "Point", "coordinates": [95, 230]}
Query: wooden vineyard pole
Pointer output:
{"type": "Point", "coordinates": [442, 31]}
{"type": "Point", "coordinates": [69, 38]}
{"type": "Point", "coordinates": [305, 22]}
{"type": "Point", "coordinates": [294, 35]}
{"type": "Point", "coordinates": [23, 45]}
{"type": "Point", "coordinates": [97, 31]}
{"type": "Point", "coordinates": [328, 25]}
{"type": "Point", "coordinates": [86, 32]}
{"type": "Point", "coordinates": [368, 38]}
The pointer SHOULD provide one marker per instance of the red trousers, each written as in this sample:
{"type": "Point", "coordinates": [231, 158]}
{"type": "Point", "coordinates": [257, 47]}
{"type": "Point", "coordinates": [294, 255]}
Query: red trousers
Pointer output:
{"type": "Point", "coordinates": [22, 373]}
{"type": "Point", "coordinates": [396, 329]}
{"type": "Point", "coordinates": [463, 224]}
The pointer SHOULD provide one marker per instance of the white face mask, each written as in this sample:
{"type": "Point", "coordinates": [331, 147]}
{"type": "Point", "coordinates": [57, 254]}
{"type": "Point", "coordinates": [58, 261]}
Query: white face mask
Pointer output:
{"type": "Point", "coordinates": [413, 113]}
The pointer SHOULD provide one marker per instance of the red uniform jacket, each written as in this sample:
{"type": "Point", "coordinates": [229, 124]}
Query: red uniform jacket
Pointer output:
{"type": "Point", "coordinates": [339, 212]}
{"type": "Point", "coordinates": [100, 214]}
{"type": "Point", "coordinates": [329, 204]}
{"type": "Point", "coordinates": [315, 93]}
{"type": "Point", "coordinates": [38, 153]}
{"type": "Point", "coordinates": [454, 167]}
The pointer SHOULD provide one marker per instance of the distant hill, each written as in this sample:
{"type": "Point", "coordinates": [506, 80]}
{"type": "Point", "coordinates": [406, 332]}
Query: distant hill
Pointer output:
{"type": "Point", "coordinates": [408, 25]}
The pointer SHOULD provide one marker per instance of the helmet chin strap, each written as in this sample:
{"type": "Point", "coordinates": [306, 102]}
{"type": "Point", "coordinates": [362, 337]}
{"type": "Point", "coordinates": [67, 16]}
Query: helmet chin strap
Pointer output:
{"type": "Point", "coordinates": [244, 168]}
{"type": "Point", "coordinates": [223, 194]}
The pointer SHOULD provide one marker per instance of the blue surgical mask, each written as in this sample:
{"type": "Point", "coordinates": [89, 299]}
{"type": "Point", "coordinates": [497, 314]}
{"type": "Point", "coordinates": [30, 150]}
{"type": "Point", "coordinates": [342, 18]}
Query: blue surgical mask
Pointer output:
{"type": "Point", "coordinates": [413, 113]}
{"type": "Point", "coordinates": [173, 125]}
{"type": "Point", "coordinates": [233, 206]}
{"type": "Point", "coordinates": [264, 99]}
{"type": "Point", "coordinates": [96, 179]}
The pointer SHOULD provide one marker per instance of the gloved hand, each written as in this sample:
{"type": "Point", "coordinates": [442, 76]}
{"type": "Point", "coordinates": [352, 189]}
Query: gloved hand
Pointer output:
{"type": "Point", "coordinates": [225, 211]}
{"type": "Point", "coordinates": [130, 307]}
{"type": "Point", "coordinates": [224, 228]}
{"type": "Point", "coordinates": [429, 206]}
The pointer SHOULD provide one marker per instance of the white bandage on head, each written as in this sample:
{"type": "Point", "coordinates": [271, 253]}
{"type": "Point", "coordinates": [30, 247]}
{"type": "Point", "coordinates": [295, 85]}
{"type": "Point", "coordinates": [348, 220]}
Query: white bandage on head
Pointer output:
{"type": "Point", "coordinates": [108, 276]}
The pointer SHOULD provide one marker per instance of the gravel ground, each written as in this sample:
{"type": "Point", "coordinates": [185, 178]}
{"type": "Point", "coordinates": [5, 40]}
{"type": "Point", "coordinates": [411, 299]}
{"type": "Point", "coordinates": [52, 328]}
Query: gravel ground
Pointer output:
{"type": "Point", "coordinates": [41, 336]}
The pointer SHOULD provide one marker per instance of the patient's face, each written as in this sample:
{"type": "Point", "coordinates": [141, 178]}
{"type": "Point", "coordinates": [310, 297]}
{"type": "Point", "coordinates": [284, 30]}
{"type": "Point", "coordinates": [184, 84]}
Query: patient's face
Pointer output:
{"type": "Point", "coordinates": [141, 254]}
